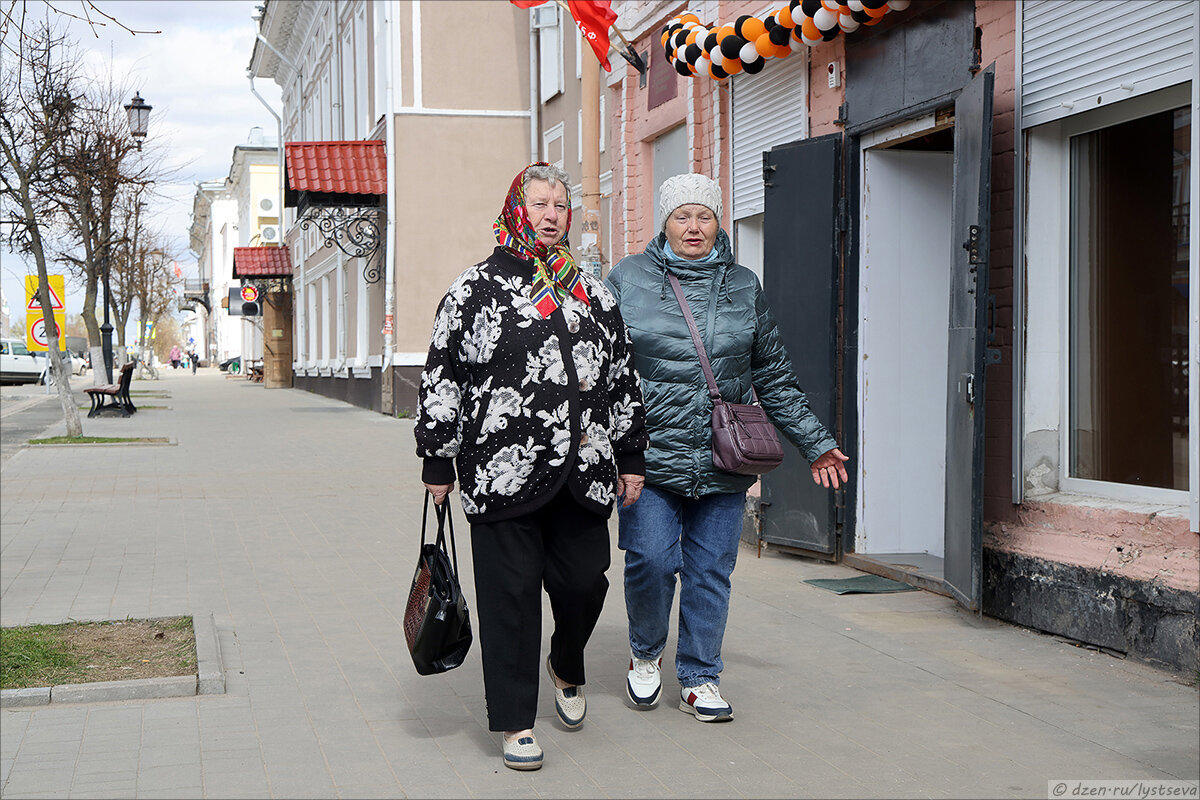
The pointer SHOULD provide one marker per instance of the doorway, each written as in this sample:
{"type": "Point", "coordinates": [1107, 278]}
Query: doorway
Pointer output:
{"type": "Point", "coordinates": [904, 290]}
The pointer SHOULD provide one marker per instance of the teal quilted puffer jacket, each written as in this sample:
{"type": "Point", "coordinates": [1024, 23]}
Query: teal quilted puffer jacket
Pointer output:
{"type": "Point", "coordinates": [743, 345]}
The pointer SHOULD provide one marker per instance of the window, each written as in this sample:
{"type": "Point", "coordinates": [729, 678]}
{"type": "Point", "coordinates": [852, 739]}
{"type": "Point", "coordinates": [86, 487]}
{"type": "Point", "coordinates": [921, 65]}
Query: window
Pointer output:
{"type": "Point", "coordinates": [550, 48]}
{"type": "Point", "coordinates": [553, 146]}
{"type": "Point", "coordinates": [1128, 302]}
{"type": "Point", "coordinates": [671, 157]}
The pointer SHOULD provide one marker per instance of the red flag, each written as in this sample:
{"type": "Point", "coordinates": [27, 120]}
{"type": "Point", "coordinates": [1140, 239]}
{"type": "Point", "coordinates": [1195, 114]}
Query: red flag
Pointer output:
{"type": "Point", "coordinates": [594, 18]}
{"type": "Point", "coordinates": [526, 3]}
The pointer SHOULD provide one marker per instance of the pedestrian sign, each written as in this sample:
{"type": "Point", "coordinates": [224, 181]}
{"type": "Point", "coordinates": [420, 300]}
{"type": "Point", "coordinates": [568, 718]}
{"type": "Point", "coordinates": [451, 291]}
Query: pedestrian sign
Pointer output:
{"type": "Point", "coordinates": [37, 335]}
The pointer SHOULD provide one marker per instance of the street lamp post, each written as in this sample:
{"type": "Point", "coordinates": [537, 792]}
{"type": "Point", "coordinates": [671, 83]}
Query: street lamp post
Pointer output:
{"type": "Point", "coordinates": [139, 122]}
{"type": "Point", "coordinates": [106, 329]}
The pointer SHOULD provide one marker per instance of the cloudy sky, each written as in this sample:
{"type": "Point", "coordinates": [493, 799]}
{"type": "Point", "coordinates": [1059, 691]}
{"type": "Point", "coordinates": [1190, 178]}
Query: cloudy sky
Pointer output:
{"type": "Point", "coordinates": [194, 75]}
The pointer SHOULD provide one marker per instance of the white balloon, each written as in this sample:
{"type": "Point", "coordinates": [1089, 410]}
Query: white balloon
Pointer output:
{"type": "Point", "coordinates": [899, 5]}
{"type": "Point", "coordinates": [749, 53]}
{"type": "Point", "coordinates": [854, 5]}
{"type": "Point", "coordinates": [825, 19]}
{"type": "Point", "coordinates": [716, 56]}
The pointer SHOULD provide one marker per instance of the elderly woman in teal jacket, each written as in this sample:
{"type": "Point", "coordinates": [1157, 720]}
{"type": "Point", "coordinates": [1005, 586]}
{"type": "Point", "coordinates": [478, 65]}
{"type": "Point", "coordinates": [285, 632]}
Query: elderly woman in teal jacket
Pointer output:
{"type": "Point", "coordinates": [688, 519]}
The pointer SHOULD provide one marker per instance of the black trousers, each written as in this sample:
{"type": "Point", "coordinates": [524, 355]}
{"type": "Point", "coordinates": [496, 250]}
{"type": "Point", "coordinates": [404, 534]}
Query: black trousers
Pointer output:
{"type": "Point", "coordinates": [563, 547]}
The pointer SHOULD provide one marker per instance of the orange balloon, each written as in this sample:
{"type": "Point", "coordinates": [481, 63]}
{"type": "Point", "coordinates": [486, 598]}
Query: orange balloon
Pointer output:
{"type": "Point", "coordinates": [688, 17]}
{"type": "Point", "coordinates": [691, 38]}
{"type": "Point", "coordinates": [783, 51]}
{"type": "Point", "coordinates": [753, 28]}
{"type": "Point", "coordinates": [764, 45]}
{"type": "Point", "coordinates": [810, 29]}
{"type": "Point", "coordinates": [664, 38]}
{"type": "Point", "coordinates": [784, 15]}
{"type": "Point", "coordinates": [732, 65]}
{"type": "Point", "coordinates": [723, 31]}
{"type": "Point", "coordinates": [876, 13]}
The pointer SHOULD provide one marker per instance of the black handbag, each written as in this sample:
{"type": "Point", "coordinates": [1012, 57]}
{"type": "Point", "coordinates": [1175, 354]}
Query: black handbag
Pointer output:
{"type": "Point", "coordinates": [744, 440]}
{"type": "Point", "coordinates": [437, 625]}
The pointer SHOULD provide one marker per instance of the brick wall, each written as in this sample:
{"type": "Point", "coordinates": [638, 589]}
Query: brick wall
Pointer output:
{"type": "Point", "coordinates": [996, 20]}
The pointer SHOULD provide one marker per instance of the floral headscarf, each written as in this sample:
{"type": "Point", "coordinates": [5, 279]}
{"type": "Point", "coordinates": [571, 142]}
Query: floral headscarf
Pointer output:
{"type": "Point", "coordinates": [554, 271]}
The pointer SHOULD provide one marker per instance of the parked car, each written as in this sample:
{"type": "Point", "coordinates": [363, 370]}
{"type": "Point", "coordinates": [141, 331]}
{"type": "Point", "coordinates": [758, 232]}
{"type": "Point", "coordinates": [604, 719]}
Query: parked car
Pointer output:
{"type": "Point", "coordinates": [73, 364]}
{"type": "Point", "coordinates": [17, 364]}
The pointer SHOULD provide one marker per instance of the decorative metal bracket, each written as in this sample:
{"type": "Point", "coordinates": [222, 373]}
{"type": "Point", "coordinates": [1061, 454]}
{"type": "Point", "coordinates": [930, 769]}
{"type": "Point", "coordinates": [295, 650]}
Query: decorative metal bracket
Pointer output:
{"type": "Point", "coordinates": [355, 230]}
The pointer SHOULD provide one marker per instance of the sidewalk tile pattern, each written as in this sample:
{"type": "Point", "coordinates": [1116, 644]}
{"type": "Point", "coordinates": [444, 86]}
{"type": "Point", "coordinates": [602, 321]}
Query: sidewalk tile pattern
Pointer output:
{"type": "Point", "coordinates": [293, 519]}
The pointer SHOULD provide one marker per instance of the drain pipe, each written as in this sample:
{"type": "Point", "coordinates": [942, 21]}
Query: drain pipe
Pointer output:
{"type": "Point", "coordinates": [534, 80]}
{"type": "Point", "coordinates": [388, 399]}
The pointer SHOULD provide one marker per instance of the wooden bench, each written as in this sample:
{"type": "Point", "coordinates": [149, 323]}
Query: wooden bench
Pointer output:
{"type": "Point", "coordinates": [113, 396]}
{"type": "Point", "coordinates": [256, 373]}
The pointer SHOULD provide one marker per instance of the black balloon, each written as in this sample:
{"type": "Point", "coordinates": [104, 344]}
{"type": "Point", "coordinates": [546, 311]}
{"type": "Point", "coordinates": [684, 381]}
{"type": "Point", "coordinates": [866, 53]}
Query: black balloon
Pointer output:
{"type": "Point", "coordinates": [739, 22]}
{"type": "Point", "coordinates": [780, 35]}
{"type": "Point", "coordinates": [810, 7]}
{"type": "Point", "coordinates": [860, 17]}
{"type": "Point", "coordinates": [732, 45]}
{"type": "Point", "coordinates": [831, 34]}
{"type": "Point", "coordinates": [710, 42]}
{"type": "Point", "coordinates": [692, 52]}
{"type": "Point", "coordinates": [682, 68]}
{"type": "Point", "coordinates": [718, 72]}
{"type": "Point", "coordinates": [754, 67]}
{"type": "Point", "coordinates": [874, 4]}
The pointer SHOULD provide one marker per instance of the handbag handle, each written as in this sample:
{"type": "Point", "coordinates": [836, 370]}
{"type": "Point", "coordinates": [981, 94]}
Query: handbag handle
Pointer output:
{"type": "Point", "coordinates": [713, 392]}
{"type": "Point", "coordinates": [445, 522]}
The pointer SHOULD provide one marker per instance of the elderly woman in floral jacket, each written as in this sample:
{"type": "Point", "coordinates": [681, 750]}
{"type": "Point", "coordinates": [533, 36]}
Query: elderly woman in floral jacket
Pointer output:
{"type": "Point", "coordinates": [529, 388]}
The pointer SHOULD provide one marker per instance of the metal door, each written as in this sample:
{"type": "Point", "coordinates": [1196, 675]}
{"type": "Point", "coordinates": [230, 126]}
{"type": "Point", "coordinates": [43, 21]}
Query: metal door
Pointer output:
{"type": "Point", "coordinates": [801, 257]}
{"type": "Point", "coordinates": [968, 339]}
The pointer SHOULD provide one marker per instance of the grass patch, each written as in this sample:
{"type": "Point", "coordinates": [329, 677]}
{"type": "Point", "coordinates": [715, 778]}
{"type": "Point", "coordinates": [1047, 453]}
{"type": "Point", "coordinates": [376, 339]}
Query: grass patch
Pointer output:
{"type": "Point", "coordinates": [97, 439]}
{"type": "Point", "coordinates": [88, 652]}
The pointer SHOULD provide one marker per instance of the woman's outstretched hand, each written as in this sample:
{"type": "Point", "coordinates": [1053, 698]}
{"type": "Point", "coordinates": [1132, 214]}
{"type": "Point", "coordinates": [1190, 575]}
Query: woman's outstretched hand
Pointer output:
{"type": "Point", "coordinates": [829, 468]}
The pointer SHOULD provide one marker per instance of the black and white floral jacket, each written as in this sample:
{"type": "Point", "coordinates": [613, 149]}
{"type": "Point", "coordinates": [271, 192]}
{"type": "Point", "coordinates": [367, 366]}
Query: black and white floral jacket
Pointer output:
{"type": "Point", "coordinates": [523, 403]}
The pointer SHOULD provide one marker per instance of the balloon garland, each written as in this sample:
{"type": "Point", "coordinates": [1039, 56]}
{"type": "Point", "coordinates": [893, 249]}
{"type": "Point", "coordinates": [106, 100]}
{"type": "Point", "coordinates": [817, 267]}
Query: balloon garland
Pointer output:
{"type": "Point", "coordinates": [745, 45]}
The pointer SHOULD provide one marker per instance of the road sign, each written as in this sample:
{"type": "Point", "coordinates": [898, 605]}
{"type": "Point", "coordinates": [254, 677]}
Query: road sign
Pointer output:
{"type": "Point", "coordinates": [33, 306]}
{"type": "Point", "coordinates": [249, 294]}
{"type": "Point", "coordinates": [37, 335]}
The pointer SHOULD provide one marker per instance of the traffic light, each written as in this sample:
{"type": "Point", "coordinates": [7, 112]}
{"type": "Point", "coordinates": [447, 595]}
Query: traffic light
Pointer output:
{"type": "Point", "coordinates": [244, 302]}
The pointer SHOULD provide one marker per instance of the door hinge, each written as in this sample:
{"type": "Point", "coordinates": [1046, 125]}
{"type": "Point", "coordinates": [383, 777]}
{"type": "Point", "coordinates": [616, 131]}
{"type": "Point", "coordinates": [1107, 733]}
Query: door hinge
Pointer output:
{"type": "Point", "coordinates": [843, 215]}
{"type": "Point", "coordinates": [839, 514]}
{"type": "Point", "coordinates": [768, 169]}
{"type": "Point", "coordinates": [966, 384]}
{"type": "Point", "coordinates": [843, 115]}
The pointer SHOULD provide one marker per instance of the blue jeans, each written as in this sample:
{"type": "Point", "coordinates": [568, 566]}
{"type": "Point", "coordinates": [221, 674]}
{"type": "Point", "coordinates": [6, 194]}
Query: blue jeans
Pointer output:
{"type": "Point", "coordinates": [663, 534]}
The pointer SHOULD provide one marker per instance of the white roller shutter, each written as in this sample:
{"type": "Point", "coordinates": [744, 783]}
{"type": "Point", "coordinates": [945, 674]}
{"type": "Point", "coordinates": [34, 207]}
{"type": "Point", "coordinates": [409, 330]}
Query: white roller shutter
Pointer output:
{"type": "Point", "coordinates": [769, 108]}
{"type": "Point", "coordinates": [1077, 55]}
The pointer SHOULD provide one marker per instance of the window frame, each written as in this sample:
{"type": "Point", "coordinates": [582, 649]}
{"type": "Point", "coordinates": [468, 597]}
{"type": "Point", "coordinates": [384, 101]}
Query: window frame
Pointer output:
{"type": "Point", "coordinates": [1135, 108]}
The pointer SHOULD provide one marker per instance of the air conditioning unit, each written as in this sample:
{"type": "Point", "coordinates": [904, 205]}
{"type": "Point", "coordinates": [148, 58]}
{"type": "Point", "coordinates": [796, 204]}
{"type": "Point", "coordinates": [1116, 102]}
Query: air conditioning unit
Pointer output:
{"type": "Point", "coordinates": [269, 234]}
{"type": "Point", "coordinates": [267, 206]}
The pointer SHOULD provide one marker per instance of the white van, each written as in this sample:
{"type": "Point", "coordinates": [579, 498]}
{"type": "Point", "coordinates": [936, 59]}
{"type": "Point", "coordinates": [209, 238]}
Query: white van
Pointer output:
{"type": "Point", "coordinates": [17, 364]}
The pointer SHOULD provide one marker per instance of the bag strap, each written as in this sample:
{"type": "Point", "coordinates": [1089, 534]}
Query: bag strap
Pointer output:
{"type": "Point", "coordinates": [445, 521]}
{"type": "Point", "coordinates": [713, 391]}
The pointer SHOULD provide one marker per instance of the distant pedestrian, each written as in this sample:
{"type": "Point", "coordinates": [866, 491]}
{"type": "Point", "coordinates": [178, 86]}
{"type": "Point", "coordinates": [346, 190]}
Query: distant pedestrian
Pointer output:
{"type": "Point", "coordinates": [176, 355]}
{"type": "Point", "coordinates": [194, 359]}
{"type": "Point", "coordinates": [530, 387]}
{"type": "Point", "coordinates": [689, 519]}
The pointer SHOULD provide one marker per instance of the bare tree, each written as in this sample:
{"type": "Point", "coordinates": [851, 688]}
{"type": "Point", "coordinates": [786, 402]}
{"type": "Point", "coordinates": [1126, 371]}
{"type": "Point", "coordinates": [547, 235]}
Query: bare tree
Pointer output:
{"type": "Point", "coordinates": [37, 107]}
{"type": "Point", "coordinates": [20, 22]}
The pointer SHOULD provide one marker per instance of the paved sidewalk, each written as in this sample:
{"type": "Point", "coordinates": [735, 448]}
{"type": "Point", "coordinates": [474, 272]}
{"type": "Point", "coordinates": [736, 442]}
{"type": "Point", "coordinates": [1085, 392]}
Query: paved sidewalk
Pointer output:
{"type": "Point", "coordinates": [294, 520]}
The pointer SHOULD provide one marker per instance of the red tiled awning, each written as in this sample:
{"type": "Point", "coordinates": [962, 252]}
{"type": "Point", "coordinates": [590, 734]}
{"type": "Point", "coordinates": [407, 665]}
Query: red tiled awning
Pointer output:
{"type": "Point", "coordinates": [262, 262]}
{"type": "Point", "coordinates": [358, 167]}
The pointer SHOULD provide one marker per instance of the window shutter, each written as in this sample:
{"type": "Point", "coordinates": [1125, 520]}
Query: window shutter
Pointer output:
{"type": "Point", "coordinates": [1077, 55]}
{"type": "Point", "coordinates": [768, 109]}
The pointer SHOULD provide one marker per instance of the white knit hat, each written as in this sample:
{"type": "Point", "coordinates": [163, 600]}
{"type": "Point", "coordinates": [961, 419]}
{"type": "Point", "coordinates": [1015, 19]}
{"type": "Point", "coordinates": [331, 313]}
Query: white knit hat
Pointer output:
{"type": "Point", "coordinates": [690, 188]}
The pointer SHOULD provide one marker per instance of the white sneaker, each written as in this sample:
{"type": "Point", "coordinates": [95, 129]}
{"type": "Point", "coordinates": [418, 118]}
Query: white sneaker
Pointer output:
{"type": "Point", "coordinates": [645, 681]}
{"type": "Point", "coordinates": [522, 753]}
{"type": "Point", "coordinates": [570, 703]}
{"type": "Point", "coordinates": [705, 703]}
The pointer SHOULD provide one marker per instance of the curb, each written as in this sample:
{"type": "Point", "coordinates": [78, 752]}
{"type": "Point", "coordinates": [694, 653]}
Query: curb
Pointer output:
{"type": "Point", "coordinates": [209, 679]}
{"type": "Point", "coordinates": [167, 443]}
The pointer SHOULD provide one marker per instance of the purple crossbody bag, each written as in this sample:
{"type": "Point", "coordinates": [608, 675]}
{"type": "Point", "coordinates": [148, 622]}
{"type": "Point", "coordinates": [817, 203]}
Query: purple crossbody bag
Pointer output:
{"type": "Point", "coordinates": [744, 440]}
